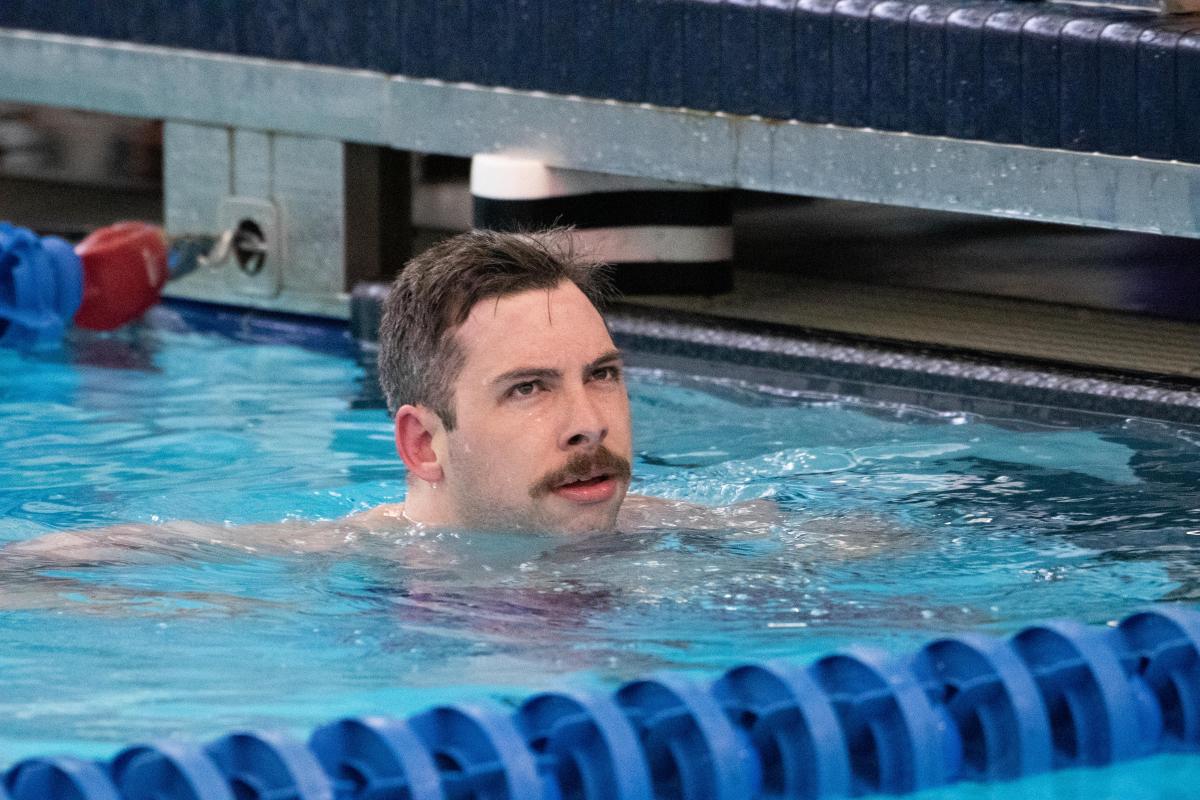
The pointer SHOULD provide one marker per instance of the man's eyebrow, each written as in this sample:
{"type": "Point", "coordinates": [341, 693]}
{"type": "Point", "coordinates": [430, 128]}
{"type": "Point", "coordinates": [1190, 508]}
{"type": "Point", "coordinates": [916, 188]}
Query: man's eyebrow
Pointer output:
{"type": "Point", "coordinates": [607, 358]}
{"type": "Point", "coordinates": [526, 374]}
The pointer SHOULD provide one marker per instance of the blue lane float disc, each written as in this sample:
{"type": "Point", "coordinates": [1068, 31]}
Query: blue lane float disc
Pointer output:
{"type": "Point", "coordinates": [897, 741]}
{"type": "Point", "coordinates": [586, 746]}
{"type": "Point", "coordinates": [994, 703]}
{"type": "Point", "coordinates": [168, 771]}
{"type": "Point", "coordinates": [1160, 649]}
{"type": "Point", "coordinates": [692, 749]}
{"type": "Point", "coordinates": [376, 757]}
{"type": "Point", "coordinates": [792, 725]}
{"type": "Point", "coordinates": [269, 765]}
{"type": "Point", "coordinates": [1094, 715]}
{"type": "Point", "coordinates": [479, 753]}
{"type": "Point", "coordinates": [61, 778]}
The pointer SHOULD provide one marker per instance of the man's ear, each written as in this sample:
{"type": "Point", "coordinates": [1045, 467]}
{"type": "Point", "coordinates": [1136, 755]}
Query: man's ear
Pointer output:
{"type": "Point", "coordinates": [415, 429]}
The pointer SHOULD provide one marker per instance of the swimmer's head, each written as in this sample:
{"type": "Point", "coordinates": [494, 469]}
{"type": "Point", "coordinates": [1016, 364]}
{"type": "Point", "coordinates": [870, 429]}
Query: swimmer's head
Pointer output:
{"type": "Point", "coordinates": [419, 357]}
{"type": "Point", "coordinates": [508, 392]}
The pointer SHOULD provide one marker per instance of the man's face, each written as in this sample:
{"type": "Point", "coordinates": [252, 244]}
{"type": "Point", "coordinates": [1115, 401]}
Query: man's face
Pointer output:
{"type": "Point", "coordinates": [543, 438]}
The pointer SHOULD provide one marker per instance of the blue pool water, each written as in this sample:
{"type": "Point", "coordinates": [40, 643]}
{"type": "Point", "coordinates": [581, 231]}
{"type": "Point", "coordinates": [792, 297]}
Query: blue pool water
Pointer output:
{"type": "Point", "coordinates": [875, 522]}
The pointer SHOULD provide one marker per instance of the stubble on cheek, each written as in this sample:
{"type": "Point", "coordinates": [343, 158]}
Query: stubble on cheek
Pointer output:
{"type": "Point", "coordinates": [485, 493]}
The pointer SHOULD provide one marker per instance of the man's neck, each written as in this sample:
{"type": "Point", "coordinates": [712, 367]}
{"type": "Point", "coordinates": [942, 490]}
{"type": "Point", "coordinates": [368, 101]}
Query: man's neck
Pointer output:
{"type": "Point", "coordinates": [425, 505]}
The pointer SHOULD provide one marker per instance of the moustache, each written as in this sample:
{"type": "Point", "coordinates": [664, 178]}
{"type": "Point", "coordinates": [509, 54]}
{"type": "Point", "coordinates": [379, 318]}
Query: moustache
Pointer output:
{"type": "Point", "coordinates": [582, 466]}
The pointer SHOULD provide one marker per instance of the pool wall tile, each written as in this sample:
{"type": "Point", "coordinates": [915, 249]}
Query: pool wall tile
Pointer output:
{"type": "Point", "coordinates": [1079, 97]}
{"type": "Point", "coordinates": [739, 56]}
{"type": "Point", "coordinates": [888, 64]}
{"type": "Point", "coordinates": [777, 58]}
{"type": "Point", "coordinates": [965, 91]}
{"type": "Point", "coordinates": [1187, 98]}
{"type": "Point", "coordinates": [631, 41]}
{"type": "Point", "coordinates": [664, 70]}
{"type": "Point", "coordinates": [1041, 75]}
{"type": "Point", "coordinates": [1117, 75]}
{"type": "Point", "coordinates": [851, 54]}
{"type": "Point", "coordinates": [814, 60]}
{"type": "Point", "coordinates": [925, 68]}
{"type": "Point", "coordinates": [702, 51]}
{"type": "Point", "coordinates": [1003, 106]}
{"type": "Point", "coordinates": [1156, 88]}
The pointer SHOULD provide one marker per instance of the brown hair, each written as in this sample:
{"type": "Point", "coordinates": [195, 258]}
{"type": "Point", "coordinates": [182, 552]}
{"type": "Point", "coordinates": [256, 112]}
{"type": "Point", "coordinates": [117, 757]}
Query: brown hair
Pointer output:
{"type": "Point", "coordinates": [419, 355]}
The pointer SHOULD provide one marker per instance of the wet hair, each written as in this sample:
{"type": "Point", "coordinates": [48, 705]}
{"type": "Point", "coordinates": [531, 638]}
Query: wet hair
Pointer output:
{"type": "Point", "coordinates": [419, 354]}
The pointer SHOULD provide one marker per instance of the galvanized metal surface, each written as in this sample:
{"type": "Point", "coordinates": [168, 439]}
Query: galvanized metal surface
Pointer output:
{"type": "Point", "coordinates": [292, 187]}
{"type": "Point", "coordinates": [676, 144]}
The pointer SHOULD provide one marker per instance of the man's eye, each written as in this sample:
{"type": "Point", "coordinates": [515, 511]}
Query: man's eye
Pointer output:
{"type": "Point", "coordinates": [527, 389]}
{"type": "Point", "coordinates": [607, 374]}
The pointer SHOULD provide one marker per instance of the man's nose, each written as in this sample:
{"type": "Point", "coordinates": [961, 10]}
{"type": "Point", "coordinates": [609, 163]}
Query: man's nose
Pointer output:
{"type": "Point", "coordinates": [586, 424]}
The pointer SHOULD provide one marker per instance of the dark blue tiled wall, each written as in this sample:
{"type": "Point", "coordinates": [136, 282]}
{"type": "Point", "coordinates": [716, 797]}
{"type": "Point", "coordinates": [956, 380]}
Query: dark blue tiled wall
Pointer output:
{"type": "Point", "coordinates": [1119, 82]}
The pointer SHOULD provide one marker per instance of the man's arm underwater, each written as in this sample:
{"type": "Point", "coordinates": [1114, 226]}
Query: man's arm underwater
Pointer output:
{"type": "Point", "coordinates": [142, 542]}
{"type": "Point", "coordinates": [27, 568]}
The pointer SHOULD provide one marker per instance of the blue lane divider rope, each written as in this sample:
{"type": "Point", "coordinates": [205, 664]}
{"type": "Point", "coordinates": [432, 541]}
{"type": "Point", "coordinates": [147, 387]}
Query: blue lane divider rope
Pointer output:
{"type": "Point", "coordinates": [856, 722]}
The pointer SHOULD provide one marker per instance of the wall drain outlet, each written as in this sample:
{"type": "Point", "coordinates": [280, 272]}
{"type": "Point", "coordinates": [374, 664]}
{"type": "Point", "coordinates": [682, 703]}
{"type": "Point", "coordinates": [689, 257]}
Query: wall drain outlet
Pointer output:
{"type": "Point", "coordinates": [256, 263]}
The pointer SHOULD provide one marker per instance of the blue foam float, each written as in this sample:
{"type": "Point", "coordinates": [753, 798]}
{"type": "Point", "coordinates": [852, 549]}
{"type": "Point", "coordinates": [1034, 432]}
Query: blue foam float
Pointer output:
{"type": "Point", "coordinates": [1160, 650]}
{"type": "Point", "coordinates": [792, 725]}
{"type": "Point", "coordinates": [168, 771]}
{"type": "Point", "coordinates": [689, 743]}
{"type": "Point", "coordinates": [265, 766]}
{"type": "Point", "coordinates": [375, 757]}
{"type": "Point", "coordinates": [856, 722]}
{"type": "Point", "coordinates": [1095, 715]}
{"type": "Point", "coordinates": [994, 703]}
{"type": "Point", "coordinates": [59, 778]}
{"type": "Point", "coordinates": [585, 746]}
{"type": "Point", "coordinates": [479, 753]}
{"type": "Point", "coordinates": [898, 741]}
{"type": "Point", "coordinates": [41, 287]}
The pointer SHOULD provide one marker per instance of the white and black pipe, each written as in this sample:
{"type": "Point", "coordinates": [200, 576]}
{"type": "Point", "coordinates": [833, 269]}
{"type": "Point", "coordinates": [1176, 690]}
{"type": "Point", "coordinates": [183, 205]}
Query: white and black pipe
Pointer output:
{"type": "Point", "coordinates": [659, 237]}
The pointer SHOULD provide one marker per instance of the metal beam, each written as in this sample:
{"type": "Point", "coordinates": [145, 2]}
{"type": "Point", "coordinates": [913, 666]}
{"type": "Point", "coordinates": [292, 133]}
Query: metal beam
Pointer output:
{"type": "Point", "coordinates": [677, 144]}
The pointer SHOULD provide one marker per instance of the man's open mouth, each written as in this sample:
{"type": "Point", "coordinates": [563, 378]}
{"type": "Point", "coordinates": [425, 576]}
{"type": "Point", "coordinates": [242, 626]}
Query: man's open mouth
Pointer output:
{"type": "Point", "coordinates": [592, 489]}
{"type": "Point", "coordinates": [586, 477]}
{"type": "Point", "coordinates": [592, 481]}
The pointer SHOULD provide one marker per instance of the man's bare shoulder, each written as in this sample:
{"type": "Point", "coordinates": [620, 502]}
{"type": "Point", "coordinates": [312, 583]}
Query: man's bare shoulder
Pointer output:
{"type": "Point", "coordinates": [385, 517]}
{"type": "Point", "coordinates": [642, 511]}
